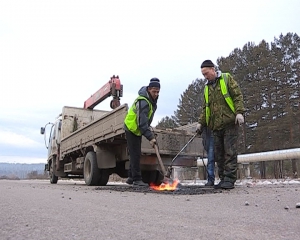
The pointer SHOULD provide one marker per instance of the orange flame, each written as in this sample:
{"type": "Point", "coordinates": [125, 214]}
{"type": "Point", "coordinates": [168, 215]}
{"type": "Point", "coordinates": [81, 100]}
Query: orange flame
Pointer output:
{"type": "Point", "coordinates": [165, 186]}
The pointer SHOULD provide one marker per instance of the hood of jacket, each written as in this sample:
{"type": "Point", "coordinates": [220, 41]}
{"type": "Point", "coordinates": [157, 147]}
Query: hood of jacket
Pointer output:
{"type": "Point", "coordinates": [144, 93]}
{"type": "Point", "coordinates": [219, 74]}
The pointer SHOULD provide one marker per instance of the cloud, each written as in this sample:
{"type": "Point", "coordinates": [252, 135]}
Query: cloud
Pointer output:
{"type": "Point", "coordinates": [17, 140]}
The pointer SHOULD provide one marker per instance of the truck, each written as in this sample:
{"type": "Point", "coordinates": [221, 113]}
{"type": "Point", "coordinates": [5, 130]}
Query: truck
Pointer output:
{"type": "Point", "coordinates": [91, 144]}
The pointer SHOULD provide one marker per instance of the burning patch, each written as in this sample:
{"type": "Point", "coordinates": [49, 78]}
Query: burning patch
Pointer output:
{"type": "Point", "coordinates": [167, 186]}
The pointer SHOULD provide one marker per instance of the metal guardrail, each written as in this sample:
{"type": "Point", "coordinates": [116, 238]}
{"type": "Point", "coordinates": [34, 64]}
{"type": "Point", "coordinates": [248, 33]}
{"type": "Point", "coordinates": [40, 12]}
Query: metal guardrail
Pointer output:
{"type": "Point", "coordinates": [285, 154]}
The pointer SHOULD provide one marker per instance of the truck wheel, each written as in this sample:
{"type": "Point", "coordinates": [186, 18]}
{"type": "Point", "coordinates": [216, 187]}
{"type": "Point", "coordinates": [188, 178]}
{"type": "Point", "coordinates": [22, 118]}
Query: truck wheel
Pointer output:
{"type": "Point", "coordinates": [152, 177]}
{"type": "Point", "coordinates": [53, 178]}
{"type": "Point", "coordinates": [104, 176]}
{"type": "Point", "coordinates": [91, 172]}
{"type": "Point", "coordinates": [159, 178]}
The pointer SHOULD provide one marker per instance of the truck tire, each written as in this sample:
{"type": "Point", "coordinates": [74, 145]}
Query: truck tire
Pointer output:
{"type": "Point", "coordinates": [91, 172]}
{"type": "Point", "coordinates": [152, 177]}
{"type": "Point", "coordinates": [103, 177]}
{"type": "Point", "coordinates": [159, 178]}
{"type": "Point", "coordinates": [53, 177]}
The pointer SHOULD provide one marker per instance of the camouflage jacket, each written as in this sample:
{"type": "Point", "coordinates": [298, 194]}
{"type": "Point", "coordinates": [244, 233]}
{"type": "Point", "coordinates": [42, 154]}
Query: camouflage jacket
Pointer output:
{"type": "Point", "coordinates": [220, 113]}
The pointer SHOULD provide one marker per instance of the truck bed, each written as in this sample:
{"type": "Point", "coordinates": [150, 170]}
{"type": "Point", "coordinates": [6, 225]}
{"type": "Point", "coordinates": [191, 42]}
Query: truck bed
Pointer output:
{"type": "Point", "coordinates": [108, 126]}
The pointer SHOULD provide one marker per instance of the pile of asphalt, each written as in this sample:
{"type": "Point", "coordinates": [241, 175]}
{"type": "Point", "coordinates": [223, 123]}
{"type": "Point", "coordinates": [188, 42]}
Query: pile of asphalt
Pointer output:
{"type": "Point", "coordinates": [182, 190]}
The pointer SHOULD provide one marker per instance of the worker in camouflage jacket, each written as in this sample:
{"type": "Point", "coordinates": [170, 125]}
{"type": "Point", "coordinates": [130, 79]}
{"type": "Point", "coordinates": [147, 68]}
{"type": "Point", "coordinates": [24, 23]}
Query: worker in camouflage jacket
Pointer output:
{"type": "Point", "coordinates": [223, 114]}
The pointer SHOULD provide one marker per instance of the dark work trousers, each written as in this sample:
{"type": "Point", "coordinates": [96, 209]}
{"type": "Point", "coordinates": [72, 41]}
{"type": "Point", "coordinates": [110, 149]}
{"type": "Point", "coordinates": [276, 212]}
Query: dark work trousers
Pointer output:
{"type": "Point", "coordinates": [210, 159]}
{"type": "Point", "coordinates": [225, 142]}
{"type": "Point", "coordinates": [134, 148]}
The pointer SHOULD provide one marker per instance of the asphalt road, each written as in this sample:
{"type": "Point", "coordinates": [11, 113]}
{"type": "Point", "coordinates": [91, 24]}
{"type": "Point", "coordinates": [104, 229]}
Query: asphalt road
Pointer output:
{"type": "Point", "coordinates": [35, 209]}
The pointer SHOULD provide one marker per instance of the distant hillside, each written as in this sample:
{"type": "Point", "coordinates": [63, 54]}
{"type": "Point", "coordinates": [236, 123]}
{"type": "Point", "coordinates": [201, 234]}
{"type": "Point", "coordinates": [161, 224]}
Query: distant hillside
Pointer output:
{"type": "Point", "coordinates": [20, 170]}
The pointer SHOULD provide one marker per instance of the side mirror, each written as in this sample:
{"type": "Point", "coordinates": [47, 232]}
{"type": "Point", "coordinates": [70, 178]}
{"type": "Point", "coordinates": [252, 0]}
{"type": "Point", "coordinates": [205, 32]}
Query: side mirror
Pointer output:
{"type": "Point", "coordinates": [59, 125]}
{"type": "Point", "coordinates": [42, 130]}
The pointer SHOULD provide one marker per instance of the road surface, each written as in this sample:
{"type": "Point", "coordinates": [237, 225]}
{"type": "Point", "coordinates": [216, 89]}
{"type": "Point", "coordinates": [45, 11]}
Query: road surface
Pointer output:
{"type": "Point", "coordinates": [35, 209]}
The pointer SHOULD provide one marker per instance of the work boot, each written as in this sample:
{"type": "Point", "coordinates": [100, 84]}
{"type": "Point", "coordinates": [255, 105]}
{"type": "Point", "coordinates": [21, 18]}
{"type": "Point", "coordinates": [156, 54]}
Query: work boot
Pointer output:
{"type": "Point", "coordinates": [227, 185]}
{"type": "Point", "coordinates": [209, 184]}
{"type": "Point", "coordinates": [218, 186]}
{"type": "Point", "coordinates": [139, 183]}
{"type": "Point", "coordinates": [129, 181]}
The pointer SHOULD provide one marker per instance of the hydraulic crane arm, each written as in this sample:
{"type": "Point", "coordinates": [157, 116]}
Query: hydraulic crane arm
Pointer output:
{"type": "Point", "coordinates": [112, 88]}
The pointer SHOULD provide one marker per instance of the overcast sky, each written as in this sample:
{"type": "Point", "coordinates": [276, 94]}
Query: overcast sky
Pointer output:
{"type": "Point", "coordinates": [58, 53]}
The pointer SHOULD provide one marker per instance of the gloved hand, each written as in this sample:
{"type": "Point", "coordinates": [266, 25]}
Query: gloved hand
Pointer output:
{"type": "Point", "coordinates": [198, 128]}
{"type": "Point", "coordinates": [152, 142]}
{"type": "Point", "coordinates": [239, 119]}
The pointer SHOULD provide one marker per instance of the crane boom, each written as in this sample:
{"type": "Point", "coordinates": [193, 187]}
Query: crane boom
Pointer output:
{"type": "Point", "coordinates": [112, 88]}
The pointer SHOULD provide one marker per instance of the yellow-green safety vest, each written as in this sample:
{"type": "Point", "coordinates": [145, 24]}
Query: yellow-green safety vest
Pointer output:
{"type": "Point", "coordinates": [131, 117]}
{"type": "Point", "coordinates": [224, 90]}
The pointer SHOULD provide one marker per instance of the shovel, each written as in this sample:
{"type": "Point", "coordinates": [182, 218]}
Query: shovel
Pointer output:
{"type": "Point", "coordinates": [167, 179]}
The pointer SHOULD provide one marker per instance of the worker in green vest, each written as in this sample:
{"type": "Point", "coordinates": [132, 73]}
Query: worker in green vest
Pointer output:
{"type": "Point", "coordinates": [137, 124]}
{"type": "Point", "coordinates": [223, 114]}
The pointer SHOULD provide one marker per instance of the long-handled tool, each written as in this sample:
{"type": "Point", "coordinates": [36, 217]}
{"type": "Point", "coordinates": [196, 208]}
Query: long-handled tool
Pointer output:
{"type": "Point", "coordinates": [163, 169]}
{"type": "Point", "coordinates": [169, 171]}
{"type": "Point", "coordinates": [160, 160]}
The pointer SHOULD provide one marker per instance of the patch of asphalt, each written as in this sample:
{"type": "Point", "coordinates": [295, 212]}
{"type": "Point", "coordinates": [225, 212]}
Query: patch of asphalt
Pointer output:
{"type": "Point", "coordinates": [182, 190]}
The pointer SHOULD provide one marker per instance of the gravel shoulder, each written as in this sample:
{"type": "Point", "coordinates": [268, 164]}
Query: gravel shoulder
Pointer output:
{"type": "Point", "coordinates": [35, 209]}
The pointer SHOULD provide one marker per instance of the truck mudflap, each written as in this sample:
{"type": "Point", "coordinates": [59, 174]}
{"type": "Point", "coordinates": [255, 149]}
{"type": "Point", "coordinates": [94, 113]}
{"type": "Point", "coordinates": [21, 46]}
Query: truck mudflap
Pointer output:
{"type": "Point", "coordinates": [46, 167]}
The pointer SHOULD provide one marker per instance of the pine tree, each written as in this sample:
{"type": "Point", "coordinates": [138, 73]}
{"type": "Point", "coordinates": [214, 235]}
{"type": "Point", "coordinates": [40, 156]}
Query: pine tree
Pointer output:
{"type": "Point", "coordinates": [190, 104]}
{"type": "Point", "coordinates": [166, 123]}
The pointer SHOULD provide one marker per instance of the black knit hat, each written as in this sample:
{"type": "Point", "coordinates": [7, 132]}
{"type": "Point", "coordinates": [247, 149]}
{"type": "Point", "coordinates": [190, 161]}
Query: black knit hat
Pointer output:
{"type": "Point", "coordinates": [207, 63]}
{"type": "Point", "coordinates": [154, 82]}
